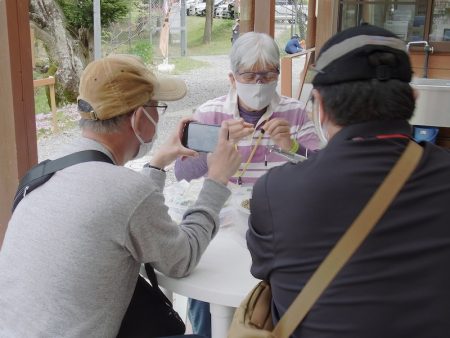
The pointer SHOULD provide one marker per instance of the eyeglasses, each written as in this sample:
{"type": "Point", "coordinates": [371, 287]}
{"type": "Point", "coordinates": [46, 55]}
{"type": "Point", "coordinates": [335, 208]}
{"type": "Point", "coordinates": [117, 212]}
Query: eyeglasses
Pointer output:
{"type": "Point", "coordinates": [160, 107]}
{"type": "Point", "coordinates": [263, 77]}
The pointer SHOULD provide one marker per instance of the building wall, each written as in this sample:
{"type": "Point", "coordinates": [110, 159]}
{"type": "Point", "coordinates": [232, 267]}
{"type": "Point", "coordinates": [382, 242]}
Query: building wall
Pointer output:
{"type": "Point", "coordinates": [327, 12]}
{"type": "Point", "coordinates": [438, 65]}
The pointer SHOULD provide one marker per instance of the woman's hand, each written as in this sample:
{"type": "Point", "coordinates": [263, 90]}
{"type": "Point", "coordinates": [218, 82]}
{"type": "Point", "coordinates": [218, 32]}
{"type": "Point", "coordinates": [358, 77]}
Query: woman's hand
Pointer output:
{"type": "Point", "coordinates": [279, 131]}
{"type": "Point", "coordinates": [239, 129]}
{"type": "Point", "coordinates": [225, 160]}
{"type": "Point", "coordinates": [170, 150]}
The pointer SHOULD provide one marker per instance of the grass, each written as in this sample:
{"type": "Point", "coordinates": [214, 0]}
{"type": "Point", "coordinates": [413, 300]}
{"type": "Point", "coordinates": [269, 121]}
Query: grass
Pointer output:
{"type": "Point", "coordinates": [63, 122]}
{"type": "Point", "coordinates": [220, 38]}
{"type": "Point", "coordinates": [40, 101]}
{"type": "Point", "coordinates": [185, 64]}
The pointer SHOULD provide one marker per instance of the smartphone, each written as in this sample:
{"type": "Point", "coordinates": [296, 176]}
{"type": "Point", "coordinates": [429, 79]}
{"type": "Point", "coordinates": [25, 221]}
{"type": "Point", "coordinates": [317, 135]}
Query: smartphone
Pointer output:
{"type": "Point", "coordinates": [200, 137]}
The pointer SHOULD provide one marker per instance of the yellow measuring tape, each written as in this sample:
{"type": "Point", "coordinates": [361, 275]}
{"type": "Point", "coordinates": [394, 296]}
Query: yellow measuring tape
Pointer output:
{"type": "Point", "coordinates": [240, 173]}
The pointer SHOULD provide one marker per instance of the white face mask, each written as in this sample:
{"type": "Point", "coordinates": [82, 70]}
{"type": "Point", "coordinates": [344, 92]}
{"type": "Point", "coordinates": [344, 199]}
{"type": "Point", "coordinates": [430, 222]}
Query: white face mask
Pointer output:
{"type": "Point", "coordinates": [256, 95]}
{"type": "Point", "coordinates": [145, 147]}
{"type": "Point", "coordinates": [322, 132]}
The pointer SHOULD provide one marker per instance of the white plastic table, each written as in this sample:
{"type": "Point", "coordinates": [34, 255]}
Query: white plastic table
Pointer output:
{"type": "Point", "coordinates": [221, 278]}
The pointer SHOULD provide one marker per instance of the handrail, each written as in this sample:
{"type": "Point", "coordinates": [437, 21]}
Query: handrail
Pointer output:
{"type": "Point", "coordinates": [49, 81]}
{"type": "Point", "coordinates": [286, 71]}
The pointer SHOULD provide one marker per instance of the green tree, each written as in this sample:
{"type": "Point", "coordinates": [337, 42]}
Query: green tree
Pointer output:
{"type": "Point", "coordinates": [209, 21]}
{"type": "Point", "coordinates": [65, 28]}
{"type": "Point", "coordinates": [80, 20]}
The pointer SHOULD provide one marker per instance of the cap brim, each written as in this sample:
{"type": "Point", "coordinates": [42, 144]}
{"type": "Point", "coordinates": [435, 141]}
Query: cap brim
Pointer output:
{"type": "Point", "coordinates": [169, 89]}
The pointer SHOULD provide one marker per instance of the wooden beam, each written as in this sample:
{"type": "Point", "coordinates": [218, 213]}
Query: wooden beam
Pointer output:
{"type": "Point", "coordinates": [18, 145]}
{"type": "Point", "coordinates": [311, 31]}
{"type": "Point", "coordinates": [44, 82]}
{"type": "Point", "coordinates": [265, 12]}
{"type": "Point", "coordinates": [326, 22]}
{"type": "Point", "coordinates": [286, 72]}
{"type": "Point", "coordinates": [286, 76]}
{"type": "Point", "coordinates": [247, 16]}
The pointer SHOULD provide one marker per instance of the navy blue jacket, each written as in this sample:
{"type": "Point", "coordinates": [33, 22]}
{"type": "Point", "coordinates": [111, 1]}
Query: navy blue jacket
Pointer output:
{"type": "Point", "coordinates": [397, 284]}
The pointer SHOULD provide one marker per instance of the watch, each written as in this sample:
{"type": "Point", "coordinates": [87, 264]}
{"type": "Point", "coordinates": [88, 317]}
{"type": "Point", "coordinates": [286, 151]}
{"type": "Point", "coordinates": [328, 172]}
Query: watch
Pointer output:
{"type": "Point", "coordinates": [148, 165]}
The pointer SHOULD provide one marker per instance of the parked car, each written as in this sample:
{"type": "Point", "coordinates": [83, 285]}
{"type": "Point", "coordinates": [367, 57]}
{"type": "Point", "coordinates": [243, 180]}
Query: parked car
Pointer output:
{"type": "Point", "coordinates": [200, 8]}
{"type": "Point", "coordinates": [225, 10]}
{"type": "Point", "coordinates": [222, 12]}
{"type": "Point", "coordinates": [285, 11]}
{"type": "Point", "coordinates": [190, 7]}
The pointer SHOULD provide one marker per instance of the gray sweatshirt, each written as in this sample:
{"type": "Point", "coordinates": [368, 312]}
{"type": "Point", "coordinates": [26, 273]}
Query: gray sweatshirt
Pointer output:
{"type": "Point", "coordinates": [73, 247]}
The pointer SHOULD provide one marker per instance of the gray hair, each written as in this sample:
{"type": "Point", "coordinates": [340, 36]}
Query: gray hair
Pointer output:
{"type": "Point", "coordinates": [109, 126]}
{"type": "Point", "coordinates": [254, 48]}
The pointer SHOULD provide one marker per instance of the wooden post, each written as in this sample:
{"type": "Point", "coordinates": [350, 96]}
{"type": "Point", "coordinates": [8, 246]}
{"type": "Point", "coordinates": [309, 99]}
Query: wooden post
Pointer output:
{"type": "Point", "coordinates": [18, 144]}
{"type": "Point", "coordinates": [286, 76]}
{"type": "Point", "coordinates": [311, 31]}
{"type": "Point", "coordinates": [247, 16]}
{"type": "Point", "coordinates": [50, 81]}
{"type": "Point", "coordinates": [265, 12]}
{"type": "Point", "coordinates": [326, 24]}
{"type": "Point", "coordinates": [53, 106]}
{"type": "Point", "coordinates": [286, 72]}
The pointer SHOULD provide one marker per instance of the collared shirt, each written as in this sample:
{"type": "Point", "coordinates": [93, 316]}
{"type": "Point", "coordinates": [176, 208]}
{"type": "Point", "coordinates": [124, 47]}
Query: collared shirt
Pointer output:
{"type": "Point", "coordinates": [226, 107]}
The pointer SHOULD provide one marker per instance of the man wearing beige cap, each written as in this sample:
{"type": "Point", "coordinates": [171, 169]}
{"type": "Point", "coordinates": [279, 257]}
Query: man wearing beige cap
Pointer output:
{"type": "Point", "coordinates": [74, 246]}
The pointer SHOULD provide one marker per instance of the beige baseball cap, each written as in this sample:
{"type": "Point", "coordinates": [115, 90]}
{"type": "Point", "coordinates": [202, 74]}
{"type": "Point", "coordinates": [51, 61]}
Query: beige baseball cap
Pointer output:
{"type": "Point", "coordinates": [117, 84]}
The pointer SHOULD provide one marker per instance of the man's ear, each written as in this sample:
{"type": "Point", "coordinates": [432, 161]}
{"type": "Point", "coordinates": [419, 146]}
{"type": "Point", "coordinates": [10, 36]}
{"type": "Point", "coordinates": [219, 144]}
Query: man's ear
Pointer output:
{"type": "Point", "coordinates": [138, 119]}
{"type": "Point", "coordinates": [232, 80]}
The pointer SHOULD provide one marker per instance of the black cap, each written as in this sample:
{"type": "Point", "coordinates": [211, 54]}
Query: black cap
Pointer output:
{"type": "Point", "coordinates": [346, 57]}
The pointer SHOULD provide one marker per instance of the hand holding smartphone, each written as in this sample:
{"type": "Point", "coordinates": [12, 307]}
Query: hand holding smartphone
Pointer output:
{"type": "Point", "coordinates": [223, 160]}
{"type": "Point", "coordinates": [200, 137]}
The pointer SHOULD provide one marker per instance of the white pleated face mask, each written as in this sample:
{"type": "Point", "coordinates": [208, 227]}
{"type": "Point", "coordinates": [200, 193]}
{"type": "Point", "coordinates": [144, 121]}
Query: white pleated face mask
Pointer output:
{"type": "Point", "coordinates": [145, 147]}
{"type": "Point", "coordinates": [256, 95]}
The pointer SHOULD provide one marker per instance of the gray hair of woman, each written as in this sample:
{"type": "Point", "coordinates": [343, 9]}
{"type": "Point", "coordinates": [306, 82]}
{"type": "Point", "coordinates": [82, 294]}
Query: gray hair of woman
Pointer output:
{"type": "Point", "coordinates": [254, 48]}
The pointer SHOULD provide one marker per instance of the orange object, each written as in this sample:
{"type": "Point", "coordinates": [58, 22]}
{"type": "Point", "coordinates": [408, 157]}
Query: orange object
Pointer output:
{"type": "Point", "coordinates": [303, 44]}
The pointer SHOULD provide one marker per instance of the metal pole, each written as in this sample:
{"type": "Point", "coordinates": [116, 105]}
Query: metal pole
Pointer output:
{"type": "Point", "coordinates": [97, 31]}
{"type": "Point", "coordinates": [183, 37]}
{"type": "Point", "coordinates": [293, 18]}
{"type": "Point", "coordinates": [150, 24]}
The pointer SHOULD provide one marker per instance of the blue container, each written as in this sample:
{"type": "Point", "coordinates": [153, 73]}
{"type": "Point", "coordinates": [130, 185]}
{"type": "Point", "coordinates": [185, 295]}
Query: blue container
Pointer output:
{"type": "Point", "coordinates": [425, 133]}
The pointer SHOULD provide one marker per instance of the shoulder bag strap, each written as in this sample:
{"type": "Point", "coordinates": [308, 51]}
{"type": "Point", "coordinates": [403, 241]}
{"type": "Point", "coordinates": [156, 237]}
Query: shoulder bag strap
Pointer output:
{"type": "Point", "coordinates": [53, 166]}
{"type": "Point", "coordinates": [43, 171]}
{"type": "Point", "coordinates": [151, 274]}
{"type": "Point", "coordinates": [350, 241]}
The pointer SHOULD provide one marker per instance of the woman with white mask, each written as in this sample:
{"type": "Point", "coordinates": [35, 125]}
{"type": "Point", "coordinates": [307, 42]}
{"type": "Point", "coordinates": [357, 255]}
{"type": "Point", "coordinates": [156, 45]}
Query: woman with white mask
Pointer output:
{"type": "Point", "coordinates": [258, 117]}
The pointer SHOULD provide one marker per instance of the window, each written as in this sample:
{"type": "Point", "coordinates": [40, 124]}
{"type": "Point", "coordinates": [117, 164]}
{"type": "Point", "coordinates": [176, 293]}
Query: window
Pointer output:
{"type": "Point", "coordinates": [410, 20]}
{"type": "Point", "coordinates": [440, 21]}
